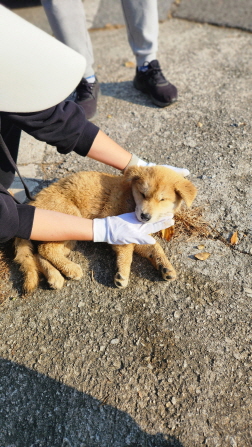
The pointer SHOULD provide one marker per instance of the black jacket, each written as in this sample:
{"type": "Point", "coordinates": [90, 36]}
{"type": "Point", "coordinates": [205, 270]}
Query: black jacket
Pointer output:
{"type": "Point", "coordinates": [64, 126]}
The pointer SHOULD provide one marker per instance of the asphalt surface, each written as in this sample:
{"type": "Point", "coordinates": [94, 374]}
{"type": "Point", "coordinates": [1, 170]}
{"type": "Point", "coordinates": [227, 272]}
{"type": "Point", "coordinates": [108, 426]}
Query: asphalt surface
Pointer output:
{"type": "Point", "coordinates": [156, 364]}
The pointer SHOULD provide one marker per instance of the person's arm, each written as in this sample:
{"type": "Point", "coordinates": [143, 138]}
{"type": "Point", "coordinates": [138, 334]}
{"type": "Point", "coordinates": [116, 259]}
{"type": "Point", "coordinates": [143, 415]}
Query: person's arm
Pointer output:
{"type": "Point", "coordinates": [15, 219]}
{"type": "Point", "coordinates": [55, 226]}
{"type": "Point", "coordinates": [123, 229]}
{"type": "Point", "coordinates": [66, 127]}
{"type": "Point", "coordinates": [29, 222]}
{"type": "Point", "coordinates": [110, 153]}
{"type": "Point", "coordinates": [107, 151]}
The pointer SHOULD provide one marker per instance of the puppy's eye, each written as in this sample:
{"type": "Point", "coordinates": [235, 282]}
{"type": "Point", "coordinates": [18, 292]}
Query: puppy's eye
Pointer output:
{"type": "Point", "coordinates": [161, 200]}
{"type": "Point", "coordinates": [143, 195]}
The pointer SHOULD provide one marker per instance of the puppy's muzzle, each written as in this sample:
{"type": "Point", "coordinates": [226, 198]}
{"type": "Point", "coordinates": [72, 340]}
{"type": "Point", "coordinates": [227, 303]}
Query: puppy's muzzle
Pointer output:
{"type": "Point", "coordinates": [145, 217]}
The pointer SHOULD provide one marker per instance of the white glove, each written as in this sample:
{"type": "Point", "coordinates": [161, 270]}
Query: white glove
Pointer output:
{"type": "Point", "coordinates": [126, 229]}
{"type": "Point", "coordinates": [182, 171]}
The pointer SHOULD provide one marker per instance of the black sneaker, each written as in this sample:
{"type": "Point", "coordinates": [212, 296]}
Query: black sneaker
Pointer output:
{"type": "Point", "coordinates": [153, 82]}
{"type": "Point", "coordinates": [87, 96]}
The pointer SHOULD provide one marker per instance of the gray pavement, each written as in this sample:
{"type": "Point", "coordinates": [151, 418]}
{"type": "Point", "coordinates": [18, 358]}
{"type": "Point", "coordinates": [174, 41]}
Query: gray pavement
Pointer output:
{"type": "Point", "coordinates": [156, 364]}
{"type": "Point", "coordinates": [231, 13]}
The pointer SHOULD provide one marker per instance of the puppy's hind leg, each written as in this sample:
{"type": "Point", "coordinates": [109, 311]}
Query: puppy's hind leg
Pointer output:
{"type": "Point", "coordinates": [28, 264]}
{"type": "Point", "coordinates": [55, 253]}
{"type": "Point", "coordinates": [124, 255]}
{"type": "Point", "coordinates": [53, 276]}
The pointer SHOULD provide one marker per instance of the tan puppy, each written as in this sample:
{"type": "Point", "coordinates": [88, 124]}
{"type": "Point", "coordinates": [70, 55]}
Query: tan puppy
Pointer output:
{"type": "Point", "coordinates": [151, 192]}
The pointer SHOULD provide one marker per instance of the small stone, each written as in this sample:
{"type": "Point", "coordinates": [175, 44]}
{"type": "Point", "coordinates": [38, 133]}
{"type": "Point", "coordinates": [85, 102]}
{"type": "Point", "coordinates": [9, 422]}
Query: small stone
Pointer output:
{"type": "Point", "coordinates": [173, 400]}
{"type": "Point", "coordinates": [81, 304]}
{"type": "Point", "coordinates": [117, 364]}
{"type": "Point", "coordinates": [233, 442]}
{"type": "Point", "coordinates": [129, 64]}
{"type": "Point", "coordinates": [176, 315]}
{"type": "Point", "coordinates": [114, 341]}
{"type": "Point", "coordinates": [248, 291]}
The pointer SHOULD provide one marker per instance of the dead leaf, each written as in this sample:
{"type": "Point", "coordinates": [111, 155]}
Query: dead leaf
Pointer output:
{"type": "Point", "coordinates": [167, 233]}
{"type": "Point", "coordinates": [129, 64]}
{"type": "Point", "coordinates": [202, 256]}
{"type": "Point", "coordinates": [199, 124]}
{"type": "Point", "coordinates": [200, 247]}
{"type": "Point", "coordinates": [109, 116]}
{"type": "Point", "coordinates": [234, 238]}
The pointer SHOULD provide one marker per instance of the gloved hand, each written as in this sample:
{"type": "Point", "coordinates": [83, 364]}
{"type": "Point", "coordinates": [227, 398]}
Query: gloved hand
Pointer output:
{"type": "Point", "coordinates": [135, 160]}
{"type": "Point", "coordinates": [182, 171]}
{"type": "Point", "coordinates": [126, 229]}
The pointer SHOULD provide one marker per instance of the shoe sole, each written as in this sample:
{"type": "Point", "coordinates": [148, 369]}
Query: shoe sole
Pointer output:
{"type": "Point", "coordinates": [154, 100]}
{"type": "Point", "coordinates": [161, 104]}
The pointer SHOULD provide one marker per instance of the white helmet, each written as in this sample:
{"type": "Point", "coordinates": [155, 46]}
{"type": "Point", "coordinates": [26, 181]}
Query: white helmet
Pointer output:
{"type": "Point", "coordinates": [37, 71]}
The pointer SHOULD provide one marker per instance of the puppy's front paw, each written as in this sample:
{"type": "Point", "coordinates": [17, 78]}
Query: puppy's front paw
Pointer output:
{"type": "Point", "coordinates": [120, 281]}
{"type": "Point", "coordinates": [168, 274]}
{"type": "Point", "coordinates": [55, 280]}
{"type": "Point", "coordinates": [73, 272]}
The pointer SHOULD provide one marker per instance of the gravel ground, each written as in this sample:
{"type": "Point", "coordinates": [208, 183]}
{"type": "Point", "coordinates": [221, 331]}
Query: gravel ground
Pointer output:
{"type": "Point", "coordinates": [156, 364]}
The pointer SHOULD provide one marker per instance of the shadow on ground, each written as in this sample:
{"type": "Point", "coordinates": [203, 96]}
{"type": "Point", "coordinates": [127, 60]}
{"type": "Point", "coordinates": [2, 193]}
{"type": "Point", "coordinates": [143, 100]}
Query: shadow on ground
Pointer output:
{"type": "Point", "coordinates": [37, 411]}
{"type": "Point", "coordinates": [125, 91]}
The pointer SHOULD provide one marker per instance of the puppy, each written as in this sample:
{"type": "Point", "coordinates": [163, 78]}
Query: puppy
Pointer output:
{"type": "Point", "coordinates": [151, 192]}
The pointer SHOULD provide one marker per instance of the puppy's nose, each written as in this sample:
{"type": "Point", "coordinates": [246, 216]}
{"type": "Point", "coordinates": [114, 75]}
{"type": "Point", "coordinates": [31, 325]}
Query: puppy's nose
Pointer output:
{"type": "Point", "coordinates": [145, 217]}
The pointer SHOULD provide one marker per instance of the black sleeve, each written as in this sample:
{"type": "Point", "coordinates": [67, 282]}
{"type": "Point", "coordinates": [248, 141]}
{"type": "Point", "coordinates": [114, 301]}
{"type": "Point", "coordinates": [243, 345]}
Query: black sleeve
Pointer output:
{"type": "Point", "coordinates": [64, 126]}
{"type": "Point", "coordinates": [15, 220]}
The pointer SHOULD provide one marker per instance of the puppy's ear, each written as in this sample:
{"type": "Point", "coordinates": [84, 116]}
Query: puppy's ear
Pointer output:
{"type": "Point", "coordinates": [132, 173]}
{"type": "Point", "coordinates": [186, 190]}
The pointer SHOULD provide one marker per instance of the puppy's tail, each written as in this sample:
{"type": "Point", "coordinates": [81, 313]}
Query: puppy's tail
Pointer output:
{"type": "Point", "coordinates": [28, 263]}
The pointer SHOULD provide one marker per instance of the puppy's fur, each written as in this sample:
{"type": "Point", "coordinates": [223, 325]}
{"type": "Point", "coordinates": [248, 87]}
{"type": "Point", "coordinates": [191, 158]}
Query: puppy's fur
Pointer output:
{"type": "Point", "coordinates": [151, 192]}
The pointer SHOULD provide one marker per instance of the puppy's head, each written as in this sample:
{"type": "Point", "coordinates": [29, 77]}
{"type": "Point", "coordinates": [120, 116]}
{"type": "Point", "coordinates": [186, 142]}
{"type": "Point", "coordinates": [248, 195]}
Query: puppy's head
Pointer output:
{"type": "Point", "coordinates": [158, 191]}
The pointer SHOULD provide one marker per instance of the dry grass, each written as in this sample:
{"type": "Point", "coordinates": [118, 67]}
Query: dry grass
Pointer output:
{"type": "Point", "coordinates": [189, 223]}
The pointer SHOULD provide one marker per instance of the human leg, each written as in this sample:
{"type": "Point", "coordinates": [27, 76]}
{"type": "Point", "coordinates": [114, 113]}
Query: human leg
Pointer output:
{"type": "Point", "coordinates": [141, 19]}
{"type": "Point", "coordinates": [68, 22]}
